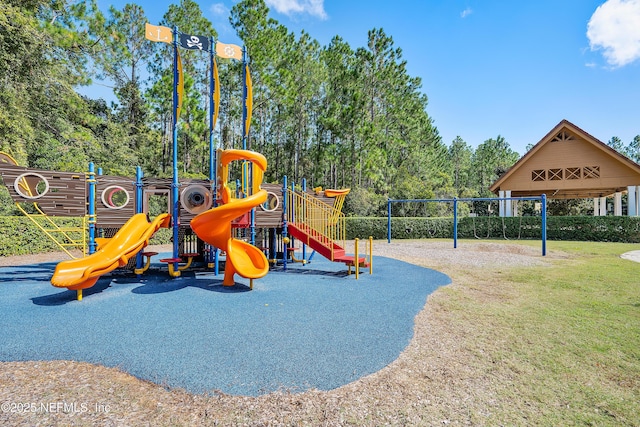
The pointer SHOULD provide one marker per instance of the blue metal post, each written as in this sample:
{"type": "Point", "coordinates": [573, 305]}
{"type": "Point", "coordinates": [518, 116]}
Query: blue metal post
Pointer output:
{"type": "Point", "coordinates": [92, 208]}
{"type": "Point", "coordinates": [245, 92]}
{"type": "Point", "coordinates": [455, 223]}
{"type": "Point", "coordinates": [284, 222]}
{"type": "Point", "coordinates": [213, 251]}
{"type": "Point", "coordinates": [388, 220]}
{"type": "Point", "coordinates": [139, 191]}
{"type": "Point", "coordinates": [304, 247]}
{"type": "Point", "coordinates": [175, 184]}
{"type": "Point", "coordinates": [544, 224]}
{"type": "Point", "coordinates": [212, 89]}
{"type": "Point", "coordinates": [139, 206]}
{"type": "Point", "coordinates": [292, 208]}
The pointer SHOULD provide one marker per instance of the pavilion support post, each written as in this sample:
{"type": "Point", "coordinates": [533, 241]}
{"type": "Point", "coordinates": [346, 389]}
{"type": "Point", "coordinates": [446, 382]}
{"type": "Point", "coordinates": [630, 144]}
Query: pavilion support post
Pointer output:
{"type": "Point", "coordinates": [617, 204]}
{"type": "Point", "coordinates": [508, 205]}
{"type": "Point", "coordinates": [632, 200]}
{"type": "Point", "coordinates": [501, 205]}
{"type": "Point", "coordinates": [603, 206]}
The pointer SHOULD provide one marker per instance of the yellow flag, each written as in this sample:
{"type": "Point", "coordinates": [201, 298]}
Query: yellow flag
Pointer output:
{"type": "Point", "coordinates": [156, 33]}
{"type": "Point", "coordinates": [232, 51]}
{"type": "Point", "coordinates": [249, 101]}
{"type": "Point", "coordinates": [180, 83]}
{"type": "Point", "coordinates": [216, 93]}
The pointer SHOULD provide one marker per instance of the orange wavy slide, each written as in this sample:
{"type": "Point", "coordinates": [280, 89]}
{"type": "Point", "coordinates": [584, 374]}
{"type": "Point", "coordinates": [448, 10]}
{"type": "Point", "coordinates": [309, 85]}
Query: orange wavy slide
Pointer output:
{"type": "Point", "coordinates": [82, 273]}
{"type": "Point", "coordinates": [214, 225]}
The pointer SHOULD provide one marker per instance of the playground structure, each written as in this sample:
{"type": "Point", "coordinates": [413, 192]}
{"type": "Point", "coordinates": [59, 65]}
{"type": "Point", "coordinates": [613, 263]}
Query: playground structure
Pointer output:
{"type": "Point", "coordinates": [116, 209]}
{"type": "Point", "coordinates": [205, 217]}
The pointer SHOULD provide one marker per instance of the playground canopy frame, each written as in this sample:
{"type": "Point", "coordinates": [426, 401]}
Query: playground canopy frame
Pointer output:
{"type": "Point", "coordinates": [542, 198]}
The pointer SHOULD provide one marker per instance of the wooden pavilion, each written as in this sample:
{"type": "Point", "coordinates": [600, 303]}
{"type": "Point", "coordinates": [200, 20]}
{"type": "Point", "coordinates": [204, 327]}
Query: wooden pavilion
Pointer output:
{"type": "Point", "coordinates": [569, 163]}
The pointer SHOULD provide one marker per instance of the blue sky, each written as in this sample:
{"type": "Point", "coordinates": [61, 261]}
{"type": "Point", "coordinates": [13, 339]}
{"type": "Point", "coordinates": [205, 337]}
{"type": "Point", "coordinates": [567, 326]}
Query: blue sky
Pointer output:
{"type": "Point", "coordinates": [488, 67]}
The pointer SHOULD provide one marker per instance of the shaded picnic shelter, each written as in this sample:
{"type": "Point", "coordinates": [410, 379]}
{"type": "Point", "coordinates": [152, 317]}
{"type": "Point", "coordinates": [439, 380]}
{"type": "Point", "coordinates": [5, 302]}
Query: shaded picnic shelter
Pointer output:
{"type": "Point", "coordinates": [569, 163]}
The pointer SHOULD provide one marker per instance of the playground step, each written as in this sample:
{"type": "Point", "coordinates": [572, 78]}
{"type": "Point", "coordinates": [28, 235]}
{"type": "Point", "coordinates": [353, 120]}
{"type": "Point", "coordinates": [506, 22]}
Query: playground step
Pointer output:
{"type": "Point", "coordinates": [351, 261]}
{"type": "Point", "coordinates": [318, 242]}
{"type": "Point", "coordinates": [323, 245]}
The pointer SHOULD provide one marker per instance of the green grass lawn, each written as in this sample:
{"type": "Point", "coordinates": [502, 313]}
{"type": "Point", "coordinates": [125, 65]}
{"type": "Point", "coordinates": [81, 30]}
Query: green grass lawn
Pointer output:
{"type": "Point", "coordinates": [569, 334]}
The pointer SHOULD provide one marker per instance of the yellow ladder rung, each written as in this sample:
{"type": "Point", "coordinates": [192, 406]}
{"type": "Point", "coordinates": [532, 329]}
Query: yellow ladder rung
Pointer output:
{"type": "Point", "coordinates": [58, 234]}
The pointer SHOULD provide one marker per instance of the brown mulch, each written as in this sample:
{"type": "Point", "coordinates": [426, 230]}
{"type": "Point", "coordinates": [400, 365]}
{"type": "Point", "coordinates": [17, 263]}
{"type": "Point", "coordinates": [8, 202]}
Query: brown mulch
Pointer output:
{"type": "Point", "coordinates": [441, 378]}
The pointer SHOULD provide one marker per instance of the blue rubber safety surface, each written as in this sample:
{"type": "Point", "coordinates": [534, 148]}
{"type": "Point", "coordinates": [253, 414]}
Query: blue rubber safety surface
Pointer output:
{"type": "Point", "coordinates": [310, 327]}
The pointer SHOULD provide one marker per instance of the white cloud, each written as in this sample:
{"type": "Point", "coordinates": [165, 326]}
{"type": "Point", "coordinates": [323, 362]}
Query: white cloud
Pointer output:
{"type": "Point", "coordinates": [468, 11]}
{"type": "Point", "coordinates": [292, 7]}
{"type": "Point", "coordinates": [219, 9]}
{"type": "Point", "coordinates": [614, 28]}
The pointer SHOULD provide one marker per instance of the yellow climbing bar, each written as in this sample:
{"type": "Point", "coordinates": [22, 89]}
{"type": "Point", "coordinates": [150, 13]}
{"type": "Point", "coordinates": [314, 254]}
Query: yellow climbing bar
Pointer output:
{"type": "Point", "coordinates": [65, 237]}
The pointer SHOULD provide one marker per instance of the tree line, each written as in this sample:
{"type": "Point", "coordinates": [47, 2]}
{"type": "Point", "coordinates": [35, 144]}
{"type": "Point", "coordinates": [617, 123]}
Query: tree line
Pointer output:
{"type": "Point", "coordinates": [337, 115]}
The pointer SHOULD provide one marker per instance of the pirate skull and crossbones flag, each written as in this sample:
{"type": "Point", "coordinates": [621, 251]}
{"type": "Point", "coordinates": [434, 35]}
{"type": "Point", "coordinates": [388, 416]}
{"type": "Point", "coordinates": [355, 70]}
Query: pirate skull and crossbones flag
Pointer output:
{"type": "Point", "coordinates": [194, 42]}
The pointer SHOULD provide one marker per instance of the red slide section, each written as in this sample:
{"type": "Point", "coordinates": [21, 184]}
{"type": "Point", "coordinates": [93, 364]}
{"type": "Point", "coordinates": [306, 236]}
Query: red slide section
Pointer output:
{"type": "Point", "coordinates": [322, 244]}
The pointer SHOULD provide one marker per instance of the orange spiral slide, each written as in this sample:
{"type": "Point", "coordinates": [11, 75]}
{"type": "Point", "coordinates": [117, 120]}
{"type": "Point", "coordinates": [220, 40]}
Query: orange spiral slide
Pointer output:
{"type": "Point", "coordinates": [214, 225]}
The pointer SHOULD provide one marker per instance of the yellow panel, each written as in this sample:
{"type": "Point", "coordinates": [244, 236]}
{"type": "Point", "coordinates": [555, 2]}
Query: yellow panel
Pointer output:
{"type": "Point", "coordinates": [249, 101]}
{"type": "Point", "coordinates": [216, 93]}
{"type": "Point", "coordinates": [180, 86]}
